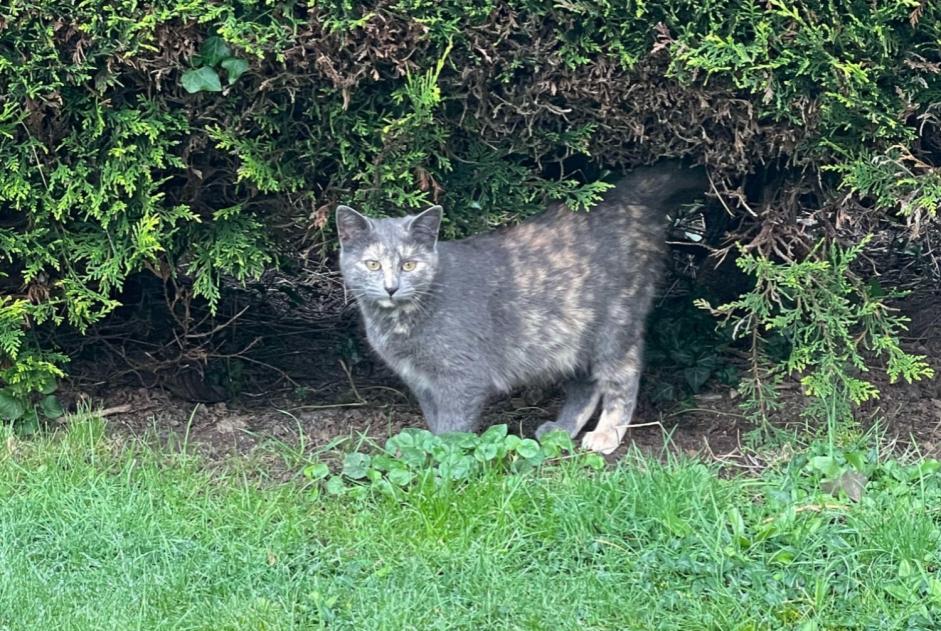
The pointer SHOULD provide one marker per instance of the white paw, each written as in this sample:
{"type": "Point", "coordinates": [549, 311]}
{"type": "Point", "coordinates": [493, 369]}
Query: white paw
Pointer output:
{"type": "Point", "coordinates": [602, 441]}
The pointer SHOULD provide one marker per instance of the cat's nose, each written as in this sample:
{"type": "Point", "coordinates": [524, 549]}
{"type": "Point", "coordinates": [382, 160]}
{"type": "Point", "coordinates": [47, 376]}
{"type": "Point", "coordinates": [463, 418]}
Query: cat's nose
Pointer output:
{"type": "Point", "coordinates": [392, 289]}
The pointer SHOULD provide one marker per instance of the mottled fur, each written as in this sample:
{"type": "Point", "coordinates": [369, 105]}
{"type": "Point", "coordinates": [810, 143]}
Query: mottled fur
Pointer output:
{"type": "Point", "coordinates": [561, 297]}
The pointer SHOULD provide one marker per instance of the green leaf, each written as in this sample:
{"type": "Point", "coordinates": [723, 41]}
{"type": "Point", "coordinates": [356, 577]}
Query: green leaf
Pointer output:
{"type": "Point", "coordinates": [48, 384]}
{"type": "Point", "coordinates": [902, 593]}
{"type": "Point", "coordinates": [51, 407]}
{"type": "Point", "coordinates": [928, 467]}
{"type": "Point", "coordinates": [856, 459]}
{"type": "Point", "coordinates": [827, 465]}
{"type": "Point", "coordinates": [457, 467]}
{"type": "Point", "coordinates": [593, 461]}
{"type": "Point", "coordinates": [486, 452]}
{"type": "Point", "coordinates": [413, 457]}
{"type": "Point", "coordinates": [400, 477]}
{"type": "Point", "coordinates": [335, 485]}
{"type": "Point", "coordinates": [11, 408]}
{"type": "Point", "coordinates": [494, 433]}
{"type": "Point", "coordinates": [696, 376]}
{"type": "Point", "coordinates": [29, 423]}
{"type": "Point", "coordinates": [356, 465]}
{"type": "Point", "coordinates": [934, 589]}
{"type": "Point", "coordinates": [316, 471]}
{"type": "Point", "coordinates": [663, 391]}
{"type": "Point", "coordinates": [461, 440]}
{"type": "Point", "coordinates": [556, 442]}
{"type": "Point", "coordinates": [783, 557]}
{"type": "Point", "coordinates": [234, 68]}
{"type": "Point", "coordinates": [528, 448]}
{"type": "Point", "coordinates": [203, 79]}
{"type": "Point", "coordinates": [737, 522]}
{"type": "Point", "coordinates": [214, 50]}
{"type": "Point", "coordinates": [399, 441]}
{"type": "Point", "coordinates": [383, 462]}
{"type": "Point", "coordinates": [905, 568]}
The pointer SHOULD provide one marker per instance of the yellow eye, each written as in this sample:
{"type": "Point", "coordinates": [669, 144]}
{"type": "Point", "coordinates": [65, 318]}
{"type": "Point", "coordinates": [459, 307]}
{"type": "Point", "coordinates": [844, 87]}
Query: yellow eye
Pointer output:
{"type": "Point", "coordinates": [373, 266]}
{"type": "Point", "coordinates": [409, 266]}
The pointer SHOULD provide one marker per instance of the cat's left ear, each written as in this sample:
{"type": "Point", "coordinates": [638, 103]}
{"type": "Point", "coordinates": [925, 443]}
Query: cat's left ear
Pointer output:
{"type": "Point", "coordinates": [424, 227]}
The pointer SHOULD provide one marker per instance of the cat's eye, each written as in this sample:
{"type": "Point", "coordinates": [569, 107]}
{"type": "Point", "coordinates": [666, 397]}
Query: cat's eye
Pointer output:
{"type": "Point", "coordinates": [373, 266]}
{"type": "Point", "coordinates": [409, 266]}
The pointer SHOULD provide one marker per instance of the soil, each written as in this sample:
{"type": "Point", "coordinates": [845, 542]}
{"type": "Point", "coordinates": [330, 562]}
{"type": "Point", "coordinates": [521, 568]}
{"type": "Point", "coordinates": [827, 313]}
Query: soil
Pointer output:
{"type": "Point", "coordinates": [371, 405]}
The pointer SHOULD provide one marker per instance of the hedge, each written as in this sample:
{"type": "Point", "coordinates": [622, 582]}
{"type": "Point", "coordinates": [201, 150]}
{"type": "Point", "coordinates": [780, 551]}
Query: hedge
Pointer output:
{"type": "Point", "coordinates": [202, 140]}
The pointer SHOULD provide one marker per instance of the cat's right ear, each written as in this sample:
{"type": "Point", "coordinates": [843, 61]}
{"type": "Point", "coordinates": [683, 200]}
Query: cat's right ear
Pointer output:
{"type": "Point", "coordinates": [351, 226]}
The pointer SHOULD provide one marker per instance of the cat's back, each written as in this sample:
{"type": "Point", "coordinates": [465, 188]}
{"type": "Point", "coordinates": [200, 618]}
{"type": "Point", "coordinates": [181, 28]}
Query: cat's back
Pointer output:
{"type": "Point", "coordinates": [535, 299]}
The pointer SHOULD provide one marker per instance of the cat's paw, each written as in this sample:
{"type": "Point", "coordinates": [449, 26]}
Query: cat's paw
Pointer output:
{"type": "Point", "coordinates": [603, 441]}
{"type": "Point", "coordinates": [549, 426]}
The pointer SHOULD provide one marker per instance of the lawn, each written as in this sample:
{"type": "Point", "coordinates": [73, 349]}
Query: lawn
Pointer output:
{"type": "Point", "coordinates": [98, 533]}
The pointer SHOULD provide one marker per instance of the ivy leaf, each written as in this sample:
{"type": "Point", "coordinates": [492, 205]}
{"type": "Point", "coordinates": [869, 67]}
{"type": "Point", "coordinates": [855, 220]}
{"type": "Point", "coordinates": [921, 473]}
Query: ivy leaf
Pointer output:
{"type": "Point", "coordinates": [696, 376]}
{"type": "Point", "coordinates": [663, 391]}
{"type": "Point", "coordinates": [214, 50]}
{"type": "Point", "coordinates": [203, 79]}
{"type": "Point", "coordinates": [11, 408]}
{"type": "Point", "coordinates": [234, 68]}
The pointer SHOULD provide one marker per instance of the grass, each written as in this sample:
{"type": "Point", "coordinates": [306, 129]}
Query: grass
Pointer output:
{"type": "Point", "coordinates": [96, 535]}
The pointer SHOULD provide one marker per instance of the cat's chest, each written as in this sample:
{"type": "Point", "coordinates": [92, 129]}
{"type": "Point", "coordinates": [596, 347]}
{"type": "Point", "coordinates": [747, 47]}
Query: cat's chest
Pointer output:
{"type": "Point", "coordinates": [399, 345]}
{"type": "Point", "coordinates": [395, 338]}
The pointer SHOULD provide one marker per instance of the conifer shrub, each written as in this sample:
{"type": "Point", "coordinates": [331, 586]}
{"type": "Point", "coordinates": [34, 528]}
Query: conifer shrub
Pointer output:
{"type": "Point", "coordinates": [207, 140]}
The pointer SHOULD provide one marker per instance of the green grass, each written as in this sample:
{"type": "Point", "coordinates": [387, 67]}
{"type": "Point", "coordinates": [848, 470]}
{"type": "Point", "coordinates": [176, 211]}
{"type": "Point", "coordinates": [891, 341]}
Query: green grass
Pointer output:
{"type": "Point", "coordinates": [95, 535]}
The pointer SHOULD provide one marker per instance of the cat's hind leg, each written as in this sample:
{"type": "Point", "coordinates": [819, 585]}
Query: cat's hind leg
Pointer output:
{"type": "Point", "coordinates": [618, 383]}
{"type": "Point", "coordinates": [581, 401]}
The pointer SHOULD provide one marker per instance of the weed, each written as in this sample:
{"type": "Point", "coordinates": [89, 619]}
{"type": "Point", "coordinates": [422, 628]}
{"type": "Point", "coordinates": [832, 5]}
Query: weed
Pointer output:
{"type": "Point", "coordinates": [830, 320]}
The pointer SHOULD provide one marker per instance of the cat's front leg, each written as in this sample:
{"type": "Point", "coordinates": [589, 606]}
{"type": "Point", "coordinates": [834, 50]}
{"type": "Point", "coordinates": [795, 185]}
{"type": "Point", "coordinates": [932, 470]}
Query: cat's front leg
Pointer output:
{"type": "Point", "coordinates": [456, 409]}
{"type": "Point", "coordinates": [429, 410]}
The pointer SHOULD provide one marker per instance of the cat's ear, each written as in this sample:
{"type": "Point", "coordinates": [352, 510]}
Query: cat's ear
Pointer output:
{"type": "Point", "coordinates": [351, 226]}
{"type": "Point", "coordinates": [424, 227]}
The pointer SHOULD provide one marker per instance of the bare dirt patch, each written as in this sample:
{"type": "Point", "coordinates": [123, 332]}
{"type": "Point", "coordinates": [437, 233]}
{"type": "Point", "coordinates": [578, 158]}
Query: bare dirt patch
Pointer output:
{"type": "Point", "coordinates": [370, 404]}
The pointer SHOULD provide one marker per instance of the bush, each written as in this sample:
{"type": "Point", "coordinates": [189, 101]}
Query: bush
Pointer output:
{"type": "Point", "coordinates": [199, 140]}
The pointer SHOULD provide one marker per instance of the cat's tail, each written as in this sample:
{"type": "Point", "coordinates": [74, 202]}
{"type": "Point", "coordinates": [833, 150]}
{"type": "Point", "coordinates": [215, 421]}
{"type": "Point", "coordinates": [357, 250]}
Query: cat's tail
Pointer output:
{"type": "Point", "coordinates": [663, 183]}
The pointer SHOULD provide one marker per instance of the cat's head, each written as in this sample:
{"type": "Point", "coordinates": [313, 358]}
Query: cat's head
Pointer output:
{"type": "Point", "coordinates": [389, 263]}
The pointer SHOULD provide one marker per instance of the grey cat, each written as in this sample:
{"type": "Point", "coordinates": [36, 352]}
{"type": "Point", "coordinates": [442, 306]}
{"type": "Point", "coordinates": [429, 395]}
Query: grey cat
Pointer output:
{"type": "Point", "coordinates": [560, 297]}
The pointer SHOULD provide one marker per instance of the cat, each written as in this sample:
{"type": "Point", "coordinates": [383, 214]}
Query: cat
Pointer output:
{"type": "Point", "coordinates": [560, 297]}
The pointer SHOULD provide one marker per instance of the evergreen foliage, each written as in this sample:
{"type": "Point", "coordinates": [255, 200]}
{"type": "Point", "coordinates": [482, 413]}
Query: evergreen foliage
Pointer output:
{"type": "Point", "coordinates": [211, 138]}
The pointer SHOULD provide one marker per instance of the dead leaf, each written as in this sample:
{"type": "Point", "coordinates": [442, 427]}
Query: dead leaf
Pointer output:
{"type": "Point", "coordinates": [853, 483]}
